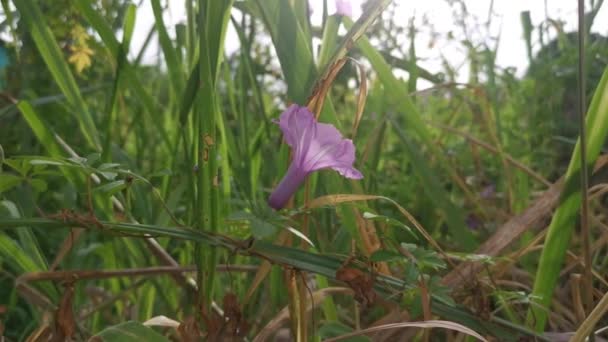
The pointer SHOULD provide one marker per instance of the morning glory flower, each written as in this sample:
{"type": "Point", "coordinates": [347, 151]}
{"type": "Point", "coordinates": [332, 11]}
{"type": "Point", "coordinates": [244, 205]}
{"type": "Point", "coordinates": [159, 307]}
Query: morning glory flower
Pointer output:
{"type": "Point", "coordinates": [343, 7]}
{"type": "Point", "coordinates": [315, 146]}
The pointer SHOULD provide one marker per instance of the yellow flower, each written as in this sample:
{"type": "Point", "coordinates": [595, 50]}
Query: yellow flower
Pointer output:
{"type": "Point", "coordinates": [81, 58]}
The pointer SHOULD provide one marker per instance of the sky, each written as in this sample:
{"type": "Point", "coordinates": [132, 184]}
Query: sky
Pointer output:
{"type": "Point", "coordinates": [506, 25]}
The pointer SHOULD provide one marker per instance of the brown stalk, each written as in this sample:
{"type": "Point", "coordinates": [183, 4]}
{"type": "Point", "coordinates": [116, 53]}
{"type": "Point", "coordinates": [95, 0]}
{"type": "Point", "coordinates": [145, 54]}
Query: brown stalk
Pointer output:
{"type": "Point", "coordinates": [426, 306]}
{"type": "Point", "coordinates": [599, 243]}
{"type": "Point", "coordinates": [575, 292]}
{"type": "Point", "coordinates": [293, 303]}
{"type": "Point", "coordinates": [131, 272]}
{"type": "Point", "coordinates": [303, 294]}
{"type": "Point", "coordinates": [65, 325]}
{"type": "Point", "coordinates": [577, 260]}
{"type": "Point", "coordinates": [66, 246]}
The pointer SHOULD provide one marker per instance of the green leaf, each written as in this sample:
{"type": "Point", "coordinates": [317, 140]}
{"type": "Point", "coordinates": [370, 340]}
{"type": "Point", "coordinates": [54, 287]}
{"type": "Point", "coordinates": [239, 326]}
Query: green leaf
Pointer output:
{"type": "Point", "coordinates": [47, 162]}
{"type": "Point", "coordinates": [112, 187]}
{"type": "Point", "coordinates": [391, 221]}
{"type": "Point", "coordinates": [330, 39]}
{"type": "Point", "coordinates": [216, 24]}
{"type": "Point", "coordinates": [425, 258]}
{"type": "Point", "coordinates": [8, 181]}
{"type": "Point", "coordinates": [41, 130]}
{"type": "Point", "coordinates": [108, 175]}
{"type": "Point", "coordinates": [38, 185]}
{"type": "Point", "coordinates": [9, 209]}
{"type": "Point", "coordinates": [106, 166]}
{"type": "Point", "coordinates": [129, 332]}
{"type": "Point", "coordinates": [440, 291]}
{"type": "Point", "coordinates": [290, 42]}
{"type": "Point", "coordinates": [384, 255]}
{"type": "Point", "coordinates": [261, 229]}
{"type": "Point", "coordinates": [20, 261]}
{"type": "Point", "coordinates": [169, 52]}
{"type": "Point", "coordinates": [212, 22]}
{"type": "Point", "coordinates": [92, 158]}
{"type": "Point", "coordinates": [20, 166]}
{"type": "Point", "coordinates": [189, 94]}
{"type": "Point", "coordinates": [161, 173]}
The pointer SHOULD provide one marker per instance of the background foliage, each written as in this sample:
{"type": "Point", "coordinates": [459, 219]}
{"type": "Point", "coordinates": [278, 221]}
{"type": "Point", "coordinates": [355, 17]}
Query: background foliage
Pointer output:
{"type": "Point", "coordinates": [130, 191]}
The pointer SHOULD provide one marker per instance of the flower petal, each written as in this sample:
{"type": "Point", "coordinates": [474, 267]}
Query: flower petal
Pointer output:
{"type": "Point", "coordinates": [338, 156]}
{"type": "Point", "coordinates": [343, 7]}
{"type": "Point", "coordinates": [298, 125]}
{"type": "Point", "coordinates": [315, 146]}
{"type": "Point", "coordinates": [287, 187]}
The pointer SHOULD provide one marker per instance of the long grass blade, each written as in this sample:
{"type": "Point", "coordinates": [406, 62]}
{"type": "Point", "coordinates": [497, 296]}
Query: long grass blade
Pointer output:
{"type": "Point", "coordinates": [563, 221]}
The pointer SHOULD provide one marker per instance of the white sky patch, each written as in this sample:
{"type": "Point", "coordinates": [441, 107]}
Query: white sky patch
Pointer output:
{"type": "Point", "coordinates": [505, 24]}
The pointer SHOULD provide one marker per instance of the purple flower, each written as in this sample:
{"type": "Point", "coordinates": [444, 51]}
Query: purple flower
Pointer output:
{"type": "Point", "coordinates": [473, 222]}
{"type": "Point", "coordinates": [315, 146]}
{"type": "Point", "coordinates": [488, 191]}
{"type": "Point", "coordinates": [343, 7]}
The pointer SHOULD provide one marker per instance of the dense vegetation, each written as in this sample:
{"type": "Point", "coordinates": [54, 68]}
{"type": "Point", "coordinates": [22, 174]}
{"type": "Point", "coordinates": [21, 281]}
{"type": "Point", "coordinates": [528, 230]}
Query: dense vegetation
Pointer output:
{"type": "Point", "coordinates": [134, 197]}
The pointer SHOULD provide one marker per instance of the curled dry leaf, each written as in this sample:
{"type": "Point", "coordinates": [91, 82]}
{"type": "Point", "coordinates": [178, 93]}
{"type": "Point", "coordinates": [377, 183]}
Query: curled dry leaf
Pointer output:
{"type": "Point", "coordinates": [316, 100]}
{"type": "Point", "coordinates": [361, 283]}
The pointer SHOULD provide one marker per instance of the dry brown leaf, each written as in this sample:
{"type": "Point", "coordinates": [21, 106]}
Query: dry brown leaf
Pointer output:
{"type": "Point", "coordinates": [360, 282]}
